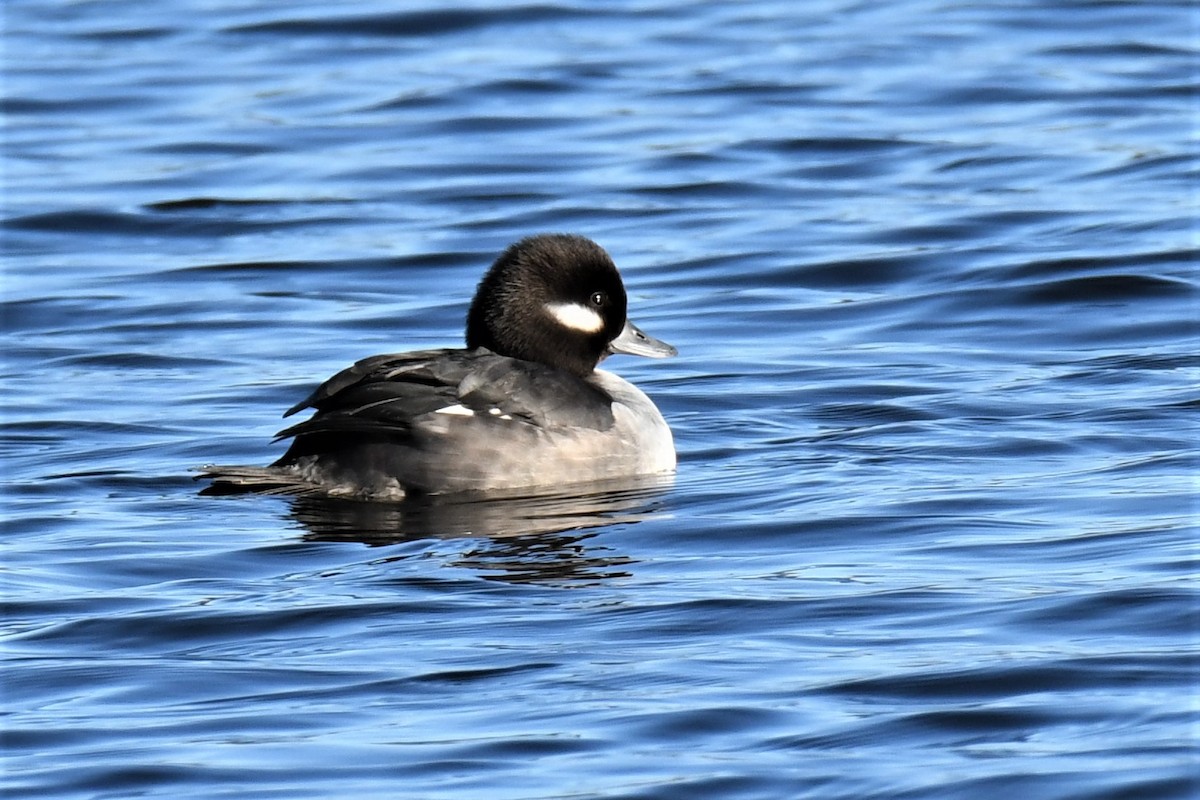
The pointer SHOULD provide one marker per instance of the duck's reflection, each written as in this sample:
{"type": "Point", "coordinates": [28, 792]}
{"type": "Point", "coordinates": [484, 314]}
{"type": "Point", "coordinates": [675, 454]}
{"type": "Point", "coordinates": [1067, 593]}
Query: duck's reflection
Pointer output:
{"type": "Point", "coordinates": [529, 538]}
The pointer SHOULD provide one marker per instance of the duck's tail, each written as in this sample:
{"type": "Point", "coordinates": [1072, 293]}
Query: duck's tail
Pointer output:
{"type": "Point", "coordinates": [227, 480]}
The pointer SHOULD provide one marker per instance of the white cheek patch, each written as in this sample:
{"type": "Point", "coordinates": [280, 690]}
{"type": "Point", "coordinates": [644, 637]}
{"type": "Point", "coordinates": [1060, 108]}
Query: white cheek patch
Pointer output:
{"type": "Point", "coordinates": [576, 317]}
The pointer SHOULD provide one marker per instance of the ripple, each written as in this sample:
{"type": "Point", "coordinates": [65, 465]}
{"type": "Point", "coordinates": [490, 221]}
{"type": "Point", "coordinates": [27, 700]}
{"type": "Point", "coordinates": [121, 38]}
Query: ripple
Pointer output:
{"type": "Point", "coordinates": [933, 287]}
{"type": "Point", "coordinates": [411, 24]}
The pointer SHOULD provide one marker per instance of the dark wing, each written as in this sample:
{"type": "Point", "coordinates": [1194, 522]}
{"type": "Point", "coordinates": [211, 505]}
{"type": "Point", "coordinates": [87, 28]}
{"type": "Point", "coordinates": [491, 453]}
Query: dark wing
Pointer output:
{"type": "Point", "coordinates": [535, 393]}
{"type": "Point", "coordinates": [383, 395]}
{"type": "Point", "coordinates": [374, 370]}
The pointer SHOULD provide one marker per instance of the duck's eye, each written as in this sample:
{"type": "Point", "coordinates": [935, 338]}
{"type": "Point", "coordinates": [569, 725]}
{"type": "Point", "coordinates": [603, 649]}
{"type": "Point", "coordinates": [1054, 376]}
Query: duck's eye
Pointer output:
{"type": "Point", "coordinates": [598, 299]}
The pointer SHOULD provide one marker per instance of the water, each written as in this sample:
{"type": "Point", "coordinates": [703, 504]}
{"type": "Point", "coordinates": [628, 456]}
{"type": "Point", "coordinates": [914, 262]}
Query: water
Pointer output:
{"type": "Point", "coordinates": [931, 269]}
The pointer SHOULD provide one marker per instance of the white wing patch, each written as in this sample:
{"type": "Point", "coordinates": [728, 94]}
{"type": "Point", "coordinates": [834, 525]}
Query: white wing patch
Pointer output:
{"type": "Point", "coordinates": [458, 410]}
{"type": "Point", "coordinates": [576, 317]}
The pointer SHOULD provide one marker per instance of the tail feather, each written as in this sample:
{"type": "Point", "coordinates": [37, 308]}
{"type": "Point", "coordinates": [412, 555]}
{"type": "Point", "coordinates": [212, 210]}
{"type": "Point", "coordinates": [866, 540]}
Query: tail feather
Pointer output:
{"type": "Point", "coordinates": [227, 480]}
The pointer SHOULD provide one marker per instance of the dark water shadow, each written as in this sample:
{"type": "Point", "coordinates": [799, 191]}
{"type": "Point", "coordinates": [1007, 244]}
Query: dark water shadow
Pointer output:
{"type": "Point", "coordinates": [519, 538]}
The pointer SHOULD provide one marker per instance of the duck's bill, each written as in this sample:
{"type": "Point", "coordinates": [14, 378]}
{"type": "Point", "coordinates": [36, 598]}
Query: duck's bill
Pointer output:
{"type": "Point", "coordinates": [633, 342]}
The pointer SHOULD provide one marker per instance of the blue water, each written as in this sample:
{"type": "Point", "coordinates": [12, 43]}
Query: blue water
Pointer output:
{"type": "Point", "coordinates": [931, 268]}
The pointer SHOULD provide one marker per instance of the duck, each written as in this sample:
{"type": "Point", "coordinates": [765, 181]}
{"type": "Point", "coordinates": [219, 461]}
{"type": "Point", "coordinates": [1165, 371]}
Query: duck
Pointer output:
{"type": "Point", "coordinates": [524, 405]}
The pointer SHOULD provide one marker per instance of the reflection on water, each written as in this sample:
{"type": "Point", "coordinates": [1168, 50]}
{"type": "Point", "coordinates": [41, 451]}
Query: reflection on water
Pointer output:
{"type": "Point", "coordinates": [522, 538]}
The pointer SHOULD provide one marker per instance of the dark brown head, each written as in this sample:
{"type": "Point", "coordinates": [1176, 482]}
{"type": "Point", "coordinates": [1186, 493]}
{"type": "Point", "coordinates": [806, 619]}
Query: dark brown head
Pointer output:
{"type": "Point", "coordinates": [556, 299]}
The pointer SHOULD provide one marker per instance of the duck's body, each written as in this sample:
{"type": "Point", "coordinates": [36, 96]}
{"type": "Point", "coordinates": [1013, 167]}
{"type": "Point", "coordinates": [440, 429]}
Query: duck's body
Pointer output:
{"type": "Point", "coordinates": [523, 406]}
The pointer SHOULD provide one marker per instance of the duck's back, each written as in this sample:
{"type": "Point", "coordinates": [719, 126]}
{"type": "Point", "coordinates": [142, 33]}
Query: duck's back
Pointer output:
{"type": "Point", "coordinates": [454, 420]}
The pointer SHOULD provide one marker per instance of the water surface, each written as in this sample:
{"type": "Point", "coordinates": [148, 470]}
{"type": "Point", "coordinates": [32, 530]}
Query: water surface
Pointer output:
{"type": "Point", "coordinates": [931, 269]}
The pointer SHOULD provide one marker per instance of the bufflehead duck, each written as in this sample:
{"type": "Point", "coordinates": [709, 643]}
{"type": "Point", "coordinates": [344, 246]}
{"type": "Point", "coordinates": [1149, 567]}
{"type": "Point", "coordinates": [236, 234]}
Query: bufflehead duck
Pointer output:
{"type": "Point", "coordinates": [522, 406]}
